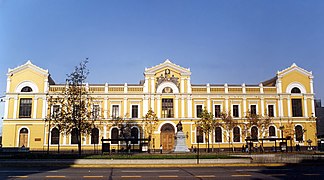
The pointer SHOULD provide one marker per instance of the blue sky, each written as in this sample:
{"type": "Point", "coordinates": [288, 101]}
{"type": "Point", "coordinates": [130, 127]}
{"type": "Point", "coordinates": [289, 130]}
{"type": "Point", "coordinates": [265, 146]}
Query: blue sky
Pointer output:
{"type": "Point", "coordinates": [226, 41]}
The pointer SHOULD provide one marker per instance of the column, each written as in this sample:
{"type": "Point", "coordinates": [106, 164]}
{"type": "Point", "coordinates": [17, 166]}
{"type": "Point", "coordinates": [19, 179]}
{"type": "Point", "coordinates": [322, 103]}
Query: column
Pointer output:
{"type": "Point", "coordinates": [244, 106]}
{"type": "Point", "coordinates": [262, 106]}
{"type": "Point", "coordinates": [289, 106]}
{"type": "Point", "coordinates": [106, 108]}
{"type": "Point", "coordinates": [8, 85]}
{"type": "Point", "coordinates": [6, 111]}
{"type": "Point", "coordinates": [182, 106]}
{"type": "Point", "coordinates": [182, 85]}
{"type": "Point", "coordinates": [152, 102]}
{"type": "Point", "coordinates": [64, 138]}
{"type": "Point", "coordinates": [189, 107]}
{"type": "Point", "coordinates": [208, 104]}
{"type": "Point", "coordinates": [152, 85]}
{"type": "Point", "coordinates": [188, 85]}
{"type": "Point", "coordinates": [226, 105]}
{"type": "Point", "coordinates": [158, 98]}
{"type": "Point", "coordinates": [35, 107]}
{"type": "Point", "coordinates": [125, 107]}
{"type": "Point", "coordinates": [145, 104]}
{"type": "Point", "coordinates": [305, 107]}
{"type": "Point", "coordinates": [280, 104]}
{"type": "Point", "coordinates": [176, 99]}
{"type": "Point", "coordinates": [44, 107]}
{"type": "Point", "coordinates": [15, 107]}
{"type": "Point", "coordinates": [105, 132]}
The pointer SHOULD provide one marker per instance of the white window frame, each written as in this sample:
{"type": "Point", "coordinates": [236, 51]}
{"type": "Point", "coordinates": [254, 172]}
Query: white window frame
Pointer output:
{"type": "Point", "coordinates": [99, 113]}
{"type": "Point", "coordinates": [256, 106]}
{"type": "Point", "coordinates": [221, 108]}
{"type": "Point", "coordinates": [111, 110]}
{"type": "Point", "coordinates": [197, 104]}
{"type": "Point", "coordinates": [138, 110]}
{"type": "Point", "coordinates": [274, 109]}
{"type": "Point", "coordinates": [239, 110]}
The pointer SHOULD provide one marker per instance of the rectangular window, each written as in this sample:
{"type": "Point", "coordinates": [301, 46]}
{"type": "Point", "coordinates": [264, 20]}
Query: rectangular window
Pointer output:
{"type": "Point", "coordinates": [167, 108]}
{"type": "Point", "coordinates": [25, 108]}
{"type": "Point", "coordinates": [199, 109]}
{"type": "Point", "coordinates": [115, 111]}
{"type": "Point", "coordinates": [56, 111]}
{"type": "Point", "coordinates": [270, 111]}
{"type": "Point", "coordinates": [96, 111]}
{"type": "Point", "coordinates": [297, 108]}
{"type": "Point", "coordinates": [235, 110]}
{"type": "Point", "coordinates": [217, 111]}
{"type": "Point", "coordinates": [134, 111]}
{"type": "Point", "coordinates": [199, 135]}
{"type": "Point", "coordinates": [253, 110]}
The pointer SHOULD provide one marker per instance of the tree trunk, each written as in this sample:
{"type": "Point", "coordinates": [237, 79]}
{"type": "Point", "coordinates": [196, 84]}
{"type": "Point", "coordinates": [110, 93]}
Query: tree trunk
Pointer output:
{"type": "Point", "coordinates": [79, 142]}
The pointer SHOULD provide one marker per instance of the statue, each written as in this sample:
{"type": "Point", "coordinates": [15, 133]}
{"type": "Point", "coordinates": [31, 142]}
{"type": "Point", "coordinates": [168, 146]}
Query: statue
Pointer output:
{"type": "Point", "coordinates": [179, 126]}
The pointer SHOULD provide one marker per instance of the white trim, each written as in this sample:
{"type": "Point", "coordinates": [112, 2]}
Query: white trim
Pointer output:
{"type": "Point", "coordinates": [274, 109]}
{"type": "Point", "coordinates": [220, 109]}
{"type": "Point", "coordinates": [239, 110]}
{"type": "Point", "coordinates": [239, 134]}
{"type": "Point", "coordinates": [24, 84]}
{"type": "Point", "coordinates": [302, 132]}
{"type": "Point", "coordinates": [111, 110]}
{"type": "Point", "coordinates": [297, 85]}
{"type": "Point", "coordinates": [167, 122]}
{"type": "Point", "coordinates": [175, 89]}
{"type": "Point", "coordinates": [276, 129]}
{"type": "Point", "coordinates": [138, 109]}
{"type": "Point", "coordinates": [196, 104]}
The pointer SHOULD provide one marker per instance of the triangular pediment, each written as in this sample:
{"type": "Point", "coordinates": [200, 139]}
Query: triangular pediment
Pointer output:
{"type": "Point", "coordinates": [292, 68]}
{"type": "Point", "coordinates": [167, 64]}
{"type": "Point", "coordinates": [27, 65]}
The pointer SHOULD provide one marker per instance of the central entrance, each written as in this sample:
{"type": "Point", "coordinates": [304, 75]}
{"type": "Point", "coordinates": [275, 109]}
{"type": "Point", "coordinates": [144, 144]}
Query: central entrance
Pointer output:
{"type": "Point", "coordinates": [167, 137]}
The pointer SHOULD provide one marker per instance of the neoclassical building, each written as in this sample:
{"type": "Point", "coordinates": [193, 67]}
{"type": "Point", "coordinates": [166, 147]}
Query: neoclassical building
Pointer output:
{"type": "Point", "coordinates": [287, 98]}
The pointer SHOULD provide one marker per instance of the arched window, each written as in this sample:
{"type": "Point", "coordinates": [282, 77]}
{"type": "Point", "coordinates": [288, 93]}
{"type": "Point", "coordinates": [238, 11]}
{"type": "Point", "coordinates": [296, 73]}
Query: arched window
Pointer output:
{"type": "Point", "coordinates": [26, 89]}
{"type": "Point", "coordinates": [299, 133]}
{"type": "Point", "coordinates": [95, 136]}
{"type": "Point", "coordinates": [236, 134]}
{"type": "Point", "coordinates": [272, 131]}
{"type": "Point", "coordinates": [55, 136]}
{"type": "Point", "coordinates": [295, 90]}
{"type": "Point", "coordinates": [199, 135]}
{"type": "Point", "coordinates": [218, 134]}
{"type": "Point", "coordinates": [74, 136]}
{"type": "Point", "coordinates": [254, 132]}
{"type": "Point", "coordinates": [167, 90]}
{"type": "Point", "coordinates": [23, 137]}
{"type": "Point", "coordinates": [114, 135]}
{"type": "Point", "coordinates": [134, 135]}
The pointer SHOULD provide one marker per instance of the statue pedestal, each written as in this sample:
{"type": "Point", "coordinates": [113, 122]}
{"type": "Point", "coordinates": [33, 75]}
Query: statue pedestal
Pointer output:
{"type": "Point", "coordinates": [181, 146]}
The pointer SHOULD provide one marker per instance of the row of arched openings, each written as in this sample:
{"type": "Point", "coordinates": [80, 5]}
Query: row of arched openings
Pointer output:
{"type": "Point", "coordinates": [94, 136]}
{"type": "Point", "coordinates": [254, 134]}
{"type": "Point", "coordinates": [55, 135]}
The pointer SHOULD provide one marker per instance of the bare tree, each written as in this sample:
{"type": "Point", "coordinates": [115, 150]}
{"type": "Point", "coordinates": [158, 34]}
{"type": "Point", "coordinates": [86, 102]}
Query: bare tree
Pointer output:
{"type": "Point", "coordinates": [228, 124]}
{"type": "Point", "coordinates": [76, 102]}
{"type": "Point", "coordinates": [205, 123]}
{"type": "Point", "coordinates": [149, 122]}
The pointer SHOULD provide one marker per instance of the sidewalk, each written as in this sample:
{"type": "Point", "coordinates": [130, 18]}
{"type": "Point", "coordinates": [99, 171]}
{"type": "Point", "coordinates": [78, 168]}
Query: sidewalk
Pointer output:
{"type": "Point", "coordinates": [242, 160]}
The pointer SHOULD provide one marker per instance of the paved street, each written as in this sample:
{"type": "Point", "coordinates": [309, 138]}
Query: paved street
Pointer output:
{"type": "Point", "coordinates": [285, 172]}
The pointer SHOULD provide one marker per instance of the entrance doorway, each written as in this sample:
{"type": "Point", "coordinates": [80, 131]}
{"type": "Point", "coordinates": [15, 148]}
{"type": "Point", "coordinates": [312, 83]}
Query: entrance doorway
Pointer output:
{"type": "Point", "coordinates": [167, 137]}
{"type": "Point", "coordinates": [23, 137]}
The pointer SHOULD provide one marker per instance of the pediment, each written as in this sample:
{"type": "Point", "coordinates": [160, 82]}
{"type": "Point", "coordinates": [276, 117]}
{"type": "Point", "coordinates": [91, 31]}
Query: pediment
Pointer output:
{"type": "Point", "coordinates": [293, 68]}
{"type": "Point", "coordinates": [167, 64]}
{"type": "Point", "coordinates": [27, 65]}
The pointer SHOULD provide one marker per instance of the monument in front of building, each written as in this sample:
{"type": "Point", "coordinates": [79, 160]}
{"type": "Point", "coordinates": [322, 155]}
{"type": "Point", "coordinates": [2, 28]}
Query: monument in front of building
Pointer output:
{"type": "Point", "coordinates": [180, 146]}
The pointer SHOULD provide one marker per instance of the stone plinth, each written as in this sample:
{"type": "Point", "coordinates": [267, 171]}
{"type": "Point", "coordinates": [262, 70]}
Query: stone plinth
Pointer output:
{"type": "Point", "coordinates": [181, 146]}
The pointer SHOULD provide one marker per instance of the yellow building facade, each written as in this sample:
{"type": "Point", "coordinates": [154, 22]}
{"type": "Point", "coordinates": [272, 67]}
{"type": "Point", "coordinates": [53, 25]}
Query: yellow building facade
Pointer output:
{"type": "Point", "coordinates": [288, 99]}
